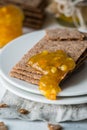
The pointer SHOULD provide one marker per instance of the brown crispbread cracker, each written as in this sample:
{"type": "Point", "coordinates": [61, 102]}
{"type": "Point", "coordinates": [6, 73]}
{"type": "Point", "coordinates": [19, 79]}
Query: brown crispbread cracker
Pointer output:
{"type": "Point", "coordinates": [75, 49]}
{"type": "Point", "coordinates": [82, 57]}
{"type": "Point", "coordinates": [36, 75]}
{"type": "Point", "coordinates": [34, 15]}
{"type": "Point", "coordinates": [35, 78]}
{"type": "Point", "coordinates": [31, 3]}
{"type": "Point", "coordinates": [27, 73]}
{"type": "Point", "coordinates": [15, 1]}
{"type": "Point", "coordinates": [1, 3]}
{"type": "Point", "coordinates": [34, 21]}
{"type": "Point", "coordinates": [37, 5]}
{"type": "Point", "coordinates": [64, 34]}
{"type": "Point", "coordinates": [25, 68]}
{"type": "Point", "coordinates": [30, 25]}
{"type": "Point", "coordinates": [32, 76]}
{"type": "Point", "coordinates": [25, 78]}
{"type": "Point", "coordinates": [32, 9]}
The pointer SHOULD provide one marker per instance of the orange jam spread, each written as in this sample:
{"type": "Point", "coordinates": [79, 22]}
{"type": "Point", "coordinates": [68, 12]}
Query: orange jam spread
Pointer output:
{"type": "Point", "coordinates": [11, 20]}
{"type": "Point", "coordinates": [54, 66]}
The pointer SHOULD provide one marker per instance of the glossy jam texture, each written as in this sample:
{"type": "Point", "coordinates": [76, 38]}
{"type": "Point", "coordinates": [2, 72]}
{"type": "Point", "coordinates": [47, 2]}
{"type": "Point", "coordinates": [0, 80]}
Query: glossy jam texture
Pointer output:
{"type": "Point", "coordinates": [11, 20]}
{"type": "Point", "coordinates": [54, 66]}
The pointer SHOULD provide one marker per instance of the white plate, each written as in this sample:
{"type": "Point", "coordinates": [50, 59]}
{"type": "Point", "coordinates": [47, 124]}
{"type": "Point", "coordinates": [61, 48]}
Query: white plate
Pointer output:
{"type": "Point", "coordinates": [14, 51]}
{"type": "Point", "coordinates": [42, 99]}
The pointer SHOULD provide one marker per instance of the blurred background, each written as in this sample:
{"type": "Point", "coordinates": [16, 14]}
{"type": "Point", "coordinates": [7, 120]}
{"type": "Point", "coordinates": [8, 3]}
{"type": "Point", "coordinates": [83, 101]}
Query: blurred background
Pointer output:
{"type": "Point", "coordinates": [22, 16]}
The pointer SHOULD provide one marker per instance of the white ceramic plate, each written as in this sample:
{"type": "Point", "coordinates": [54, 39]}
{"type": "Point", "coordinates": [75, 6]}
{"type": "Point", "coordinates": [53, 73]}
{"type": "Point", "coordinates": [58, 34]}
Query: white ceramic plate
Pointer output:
{"type": "Point", "coordinates": [15, 50]}
{"type": "Point", "coordinates": [42, 99]}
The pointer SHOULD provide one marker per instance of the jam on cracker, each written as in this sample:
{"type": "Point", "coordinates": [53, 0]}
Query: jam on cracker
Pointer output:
{"type": "Point", "coordinates": [54, 66]}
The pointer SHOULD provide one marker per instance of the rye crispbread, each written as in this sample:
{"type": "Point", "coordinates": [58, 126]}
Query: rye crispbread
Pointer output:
{"type": "Point", "coordinates": [28, 74]}
{"type": "Point", "coordinates": [75, 49]}
{"type": "Point", "coordinates": [31, 76]}
{"type": "Point", "coordinates": [34, 24]}
{"type": "Point", "coordinates": [64, 34]}
{"type": "Point", "coordinates": [23, 62]}
{"type": "Point", "coordinates": [34, 11]}
{"type": "Point", "coordinates": [35, 16]}
{"type": "Point", "coordinates": [31, 3]}
{"type": "Point", "coordinates": [24, 78]}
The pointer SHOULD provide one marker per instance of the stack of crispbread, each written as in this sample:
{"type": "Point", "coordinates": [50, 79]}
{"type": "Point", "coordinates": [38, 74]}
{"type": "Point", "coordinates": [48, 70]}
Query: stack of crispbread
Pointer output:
{"type": "Point", "coordinates": [34, 11]}
{"type": "Point", "coordinates": [72, 42]}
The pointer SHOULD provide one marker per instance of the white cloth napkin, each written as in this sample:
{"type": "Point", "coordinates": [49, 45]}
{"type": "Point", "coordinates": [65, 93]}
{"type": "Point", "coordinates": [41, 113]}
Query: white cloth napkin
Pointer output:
{"type": "Point", "coordinates": [40, 111]}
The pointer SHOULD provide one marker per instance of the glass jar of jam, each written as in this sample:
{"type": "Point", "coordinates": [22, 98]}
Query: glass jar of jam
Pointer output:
{"type": "Point", "coordinates": [11, 20]}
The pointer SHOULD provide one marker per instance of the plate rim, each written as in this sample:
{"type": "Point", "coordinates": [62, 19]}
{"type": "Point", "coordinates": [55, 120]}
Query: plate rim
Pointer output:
{"type": "Point", "coordinates": [45, 101]}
